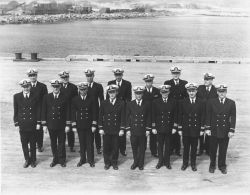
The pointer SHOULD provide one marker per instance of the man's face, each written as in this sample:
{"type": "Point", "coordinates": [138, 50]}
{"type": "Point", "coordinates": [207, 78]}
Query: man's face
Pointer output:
{"type": "Point", "coordinates": [138, 95]}
{"type": "Point", "coordinates": [164, 94]}
{"type": "Point", "coordinates": [83, 92]}
{"type": "Point", "coordinates": [33, 77]}
{"type": "Point", "coordinates": [65, 79]}
{"type": "Point", "coordinates": [26, 89]}
{"type": "Point", "coordinates": [222, 94]}
{"type": "Point", "coordinates": [208, 82]}
{"type": "Point", "coordinates": [149, 84]}
{"type": "Point", "coordinates": [176, 76]}
{"type": "Point", "coordinates": [56, 89]}
{"type": "Point", "coordinates": [192, 93]}
{"type": "Point", "coordinates": [118, 77]}
{"type": "Point", "coordinates": [90, 78]}
{"type": "Point", "coordinates": [112, 94]}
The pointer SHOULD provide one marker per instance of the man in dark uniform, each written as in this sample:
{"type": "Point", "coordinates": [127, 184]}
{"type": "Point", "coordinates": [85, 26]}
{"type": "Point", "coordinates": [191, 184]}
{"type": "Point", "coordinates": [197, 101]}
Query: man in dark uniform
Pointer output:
{"type": "Point", "coordinates": [138, 125]}
{"type": "Point", "coordinates": [83, 116]}
{"type": "Point", "coordinates": [69, 90]}
{"type": "Point", "coordinates": [124, 93]}
{"type": "Point", "coordinates": [27, 120]}
{"type": "Point", "coordinates": [178, 92]}
{"type": "Point", "coordinates": [96, 92]}
{"type": "Point", "coordinates": [191, 121]}
{"type": "Point", "coordinates": [151, 93]}
{"type": "Point", "coordinates": [220, 124]}
{"type": "Point", "coordinates": [40, 90]}
{"type": "Point", "coordinates": [55, 118]}
{"type": "Point", "coordinates": [206, 92]}
{"type": "Point", "coordinates": [111, 125]}
{"type": "Point", "coordinates": [164, 119]}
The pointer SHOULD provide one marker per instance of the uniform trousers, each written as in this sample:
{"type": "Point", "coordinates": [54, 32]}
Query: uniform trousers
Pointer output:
{"type": "Point", "coordinates": [189, 143]}
{"type": "Point", "coordinates": [110, 149]}
{"type": "Point", "coordinates": [138, 147]}
{"type": "Point", "coordinates": [28, 140]}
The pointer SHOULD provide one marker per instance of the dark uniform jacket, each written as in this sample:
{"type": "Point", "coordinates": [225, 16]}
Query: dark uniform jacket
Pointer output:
{"type": "Point", "coordinates": [164, 115]}
{"type": "Point", "coordinates": [124, 91]}
{"type": "Point", "coordinates": [138, 118]}
{"type": "Point", "coordinates": [83, 112]}
{"type": "Point", "coordinates": [179, 91]}
{"type": "Point", "coordinates": [191, 117]}
{"type": "Point", "coordinates": [40, 90]}
{"type": "Point", "coordinates": [27, 113]}
{"type": "Point", "coordinates": [220, 118]}
{"type": "Point", "coordinates": [55, 112]}
{"type": "Point", "coordinates": [204, 95]}
{"type": "Point", "coordinates": [96, 92]}
{"type": "Point", "coordinates": [147, 96]}
{"type": "Point", "coordinates": [112, 117]}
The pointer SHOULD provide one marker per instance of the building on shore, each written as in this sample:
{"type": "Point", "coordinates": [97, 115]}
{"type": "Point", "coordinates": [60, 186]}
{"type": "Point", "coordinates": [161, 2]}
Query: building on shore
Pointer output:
{"type": "Point", "coordinates": [80, 10]}
{"type": "Point", "coordinates": [104, 10]}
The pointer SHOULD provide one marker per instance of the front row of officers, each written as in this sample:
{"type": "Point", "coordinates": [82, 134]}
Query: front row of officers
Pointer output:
{"type": "Point", "coordinates": [169, 115]}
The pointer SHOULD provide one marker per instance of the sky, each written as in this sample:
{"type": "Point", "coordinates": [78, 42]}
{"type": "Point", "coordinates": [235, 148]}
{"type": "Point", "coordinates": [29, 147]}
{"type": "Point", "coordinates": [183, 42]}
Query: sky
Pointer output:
{"type": "Point", "coordinates": [228, 4]}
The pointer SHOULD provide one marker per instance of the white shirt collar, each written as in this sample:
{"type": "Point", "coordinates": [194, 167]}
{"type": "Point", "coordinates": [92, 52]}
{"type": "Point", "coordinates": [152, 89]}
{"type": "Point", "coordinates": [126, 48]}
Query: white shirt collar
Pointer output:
{"type": "Point", "coordinates": [114, 100]}
{"type": "Point", "coordinates": [176, 81]}
{"type": "Point", "coordinates": [223, 100]}
{"type": "Point", "coordinates": [91, 84]}
{"type": "Point", "coordinates": [83, 97]}
{"type": "Point", "coordinates": [139, 102]}
{"type": "Point", "coordinates": [56, 95]}
{"type": "Point", "coordinates": [149, 89]}
{"type": "Point", "coordinates": [28, 94]}
{"type": "Point", "coordinates": [119, 83]}
{"type": "Point", "coordinates": [34, 84]}
{"type": "Point", "coordinates": [166, 99]}
{"type": "Point", "coordinates": [65, 85]}
{"type": "Point", "coordinates": [192, 99]}
{"type": "Point", "coordinates": [209, 87]}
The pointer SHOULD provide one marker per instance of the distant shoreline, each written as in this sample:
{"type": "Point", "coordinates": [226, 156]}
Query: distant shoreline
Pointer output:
{"type": "Point", "coordinates": [63, 18]}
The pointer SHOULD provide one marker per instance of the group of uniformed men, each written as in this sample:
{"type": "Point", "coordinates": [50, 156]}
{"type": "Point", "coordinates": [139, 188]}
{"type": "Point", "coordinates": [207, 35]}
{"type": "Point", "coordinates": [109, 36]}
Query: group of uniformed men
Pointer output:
{"type": "Point", "coordinates": [165, 114]}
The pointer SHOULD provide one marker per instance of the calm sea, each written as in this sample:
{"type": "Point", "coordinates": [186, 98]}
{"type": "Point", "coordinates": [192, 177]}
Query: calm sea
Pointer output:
{"type": "Point", "coordinates": [172, 36]}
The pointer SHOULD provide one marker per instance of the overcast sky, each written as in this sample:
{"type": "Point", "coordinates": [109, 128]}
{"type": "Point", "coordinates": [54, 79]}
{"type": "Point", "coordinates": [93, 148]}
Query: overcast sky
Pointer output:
{"type": "Point", "coordinates": [244, 4]}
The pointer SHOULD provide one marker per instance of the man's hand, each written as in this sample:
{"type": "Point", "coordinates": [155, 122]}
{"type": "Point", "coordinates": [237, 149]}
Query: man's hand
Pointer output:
{"type": "Point", "coordinates": [128, 133]}
{"type": "Point", "coordinates": [173, 131]}
{"type": "Point", "coordinates": [67, 129]}
{"type": "Point", "coordinates": [154, 131]}
{"type": "Point", "coordinates": [180, 133]}
{"type": "Point", "coordinates": [101, 132]}
{"type": "Point", "coordinates": [74, 129]}
{"type": "Point", "coordinates": [38, 127]}
{"type": "Point", "coordinates": [201, 133]}
{"type": "Point", "coordinates": [93, 129]}
{"type": "Point", "coordinates": [45, 129]}
{"type": "Point", "coordinates": [147, 133]}
{"type": "Point", "coordinates": [121, 133]}
{"type": "Point", "coordinates": [208, 132]}
{"type": "Point", "coordinates": [230, 134]}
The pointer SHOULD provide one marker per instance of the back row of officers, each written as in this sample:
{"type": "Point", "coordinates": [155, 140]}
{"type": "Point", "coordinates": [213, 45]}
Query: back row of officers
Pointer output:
{"type": "Point", "coordinates": [165, 114]}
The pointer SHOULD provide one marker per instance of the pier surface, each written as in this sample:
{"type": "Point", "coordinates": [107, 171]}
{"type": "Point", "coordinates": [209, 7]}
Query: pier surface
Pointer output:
{"type": "Point", "coordinates": [43, 179]}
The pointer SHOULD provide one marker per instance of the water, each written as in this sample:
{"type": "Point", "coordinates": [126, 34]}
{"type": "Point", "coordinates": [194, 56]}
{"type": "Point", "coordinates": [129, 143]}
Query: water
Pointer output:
{"type": "Point", "coordinates": [172, 36]}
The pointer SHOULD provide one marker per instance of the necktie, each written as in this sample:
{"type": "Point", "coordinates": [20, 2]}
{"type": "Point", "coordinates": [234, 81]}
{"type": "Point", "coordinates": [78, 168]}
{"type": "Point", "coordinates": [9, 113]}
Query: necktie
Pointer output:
{"type": "Point", "coordinates": [56, 96]}
{"type": "Point", "coordinates": [165, 101]}
{"type": "Point", "coordinates": [192, 101]}
{"type": "Point", "coordinates": [118, 83]}
{"type": "Point", "coordinates": [176, 82]}
{"type": "Point", "coordinates": [221, 101]}
{"type": "Point", "coordinates": [26, 96]}
{"type": "Point", "coordinates": [138, 103]}
{"type": "Point", "coordinates": [90, 85]}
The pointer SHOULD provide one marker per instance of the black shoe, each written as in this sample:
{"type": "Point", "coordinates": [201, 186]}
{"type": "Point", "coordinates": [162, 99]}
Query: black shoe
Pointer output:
{"type": "Point", "coordinates": [99, 151]}
{"type": "Point", "coordinates": [40, 149]}
{"type": "Point", "coordinates": [223, 171]}
{"type": "Point", "coordinates": [199, 153]}
{"type": "Point", "coordinates": [124, 153]}
{"type": "Point", "coordinates": [133, 166]}
{"type": "Point", "coordinates": [211, 169]}
{"type": "Point", "coordinates": [155, 155]}
{"type": "Point", "coordinates": [184, 167]}
{"type": "Point", "coordinates": [92, 164]}
{"type": "Point", "coordinates": [194, 168]}
{"type": "Point", "coordinates": [158, 166]}
{"type": "Point", "coordinates": [141, 168]}
{"type": "Point", "coordinates": [115, 167]}
{"type": "Point", "coordinates": [26, 164]}
{"type": "Point", "coordinates": [33, 164]}
{"type": "Point", "coordinates": [63, 164]}
{"type": "Point", "coordinates": [168, 166]}
{"type": "Point", "coordinates": [106, 167]}
{"type": "Point", "coordinates": [207, 153]}
{"type": "Point", "coordinates": [53, 163]}
{"type": "Point", "coordinates": [80, 163]}
{"type": "Point", "coordinates": [72, 149]}
{"type": "Point", "coordinates": [178, 153]}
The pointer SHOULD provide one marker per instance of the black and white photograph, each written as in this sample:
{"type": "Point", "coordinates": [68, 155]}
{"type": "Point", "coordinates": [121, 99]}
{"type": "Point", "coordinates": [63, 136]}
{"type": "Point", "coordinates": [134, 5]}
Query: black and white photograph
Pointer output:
{"type": "Point", "coordinates": [125, 96]}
